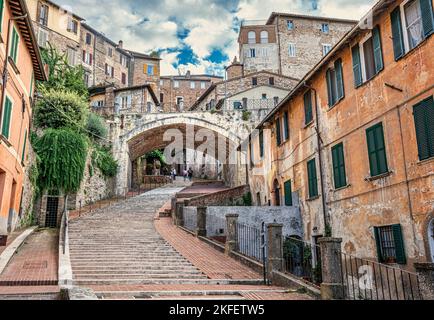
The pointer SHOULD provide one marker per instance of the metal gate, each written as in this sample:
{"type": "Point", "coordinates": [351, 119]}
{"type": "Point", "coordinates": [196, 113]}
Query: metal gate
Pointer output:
{"type": "Point", "coordinates": [51, 213]}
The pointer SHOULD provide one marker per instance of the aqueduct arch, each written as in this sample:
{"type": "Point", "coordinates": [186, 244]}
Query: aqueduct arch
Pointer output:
{"type": "Point", "coordinates": [135, 135]}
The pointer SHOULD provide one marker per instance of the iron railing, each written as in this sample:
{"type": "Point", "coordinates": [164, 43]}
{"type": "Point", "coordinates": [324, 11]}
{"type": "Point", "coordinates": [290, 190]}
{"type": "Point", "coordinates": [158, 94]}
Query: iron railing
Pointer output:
{"type": "Point", "coordinates": [250, 241]}
{"type": "Point", "coordinates": [369, 280]}
{"type": "Point", "coordinates": [302, 259]}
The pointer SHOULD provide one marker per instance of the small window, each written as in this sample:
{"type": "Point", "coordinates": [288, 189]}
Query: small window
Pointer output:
{"type": "Point", "coordinates": [291, 49]}
{"type": "Point", "coordinates": [325, 28]}
{"type": "Point", "coordinates": [43, 14]}
{"type": "Point", "coordinates": [7, 116]}
{"type": "Point", "coordinates": [161, 97]}
{"type": "Point", "coordinates": [150, 70]}
{"type": "Point", "coordinates": [285, 126]}
{"type": "Point", "coordinates": [326, 49]}
{"type": "Point", "coordinates": [124, 78]}
{"type": "Point", "coordinates": [377, 150]}
{"type": "Point", "coordinates": [88, 38]}
{"type": "Point", "coordinates": [308, 115]}
{"type": "Point", "coordinates": [71, 56]}
{"type": "Point", "coordinates": [261, 143]}
{"type": "Point", "coordinates": [338, 160]}
{"type": "Point", "coordinates": [252, 53]}
{"type": "Point", "coordinates": [278, 132]}
{"type": "Point", "coordinates": [335, 84]}
{"type": "Point", "coordinates": [203, 85]}
{"type": "Point", "coordinates": [254, 81]}
{"type": "Point", "coordinates": [264, 96]}
{"type": "Point", "coordinates": [413, 19]}
{"type": "Point", "coordinates": [289, 24]}
{"type": "Point", "coordinates": [251, 37]}
{"type": "Point", "coordinates": [288, 193]}
{"type": "Point", "coordinates": [87, 79]}
{"type": "Point", "coordinates": [192, 85]}
{"type": "Point", "coordinates": [13, 53]}
{"type": "Point", "coordinates": [176, 84]}
{"type": "Point", "coordinates": [42, 38]}
{"type": "Point", "coordinates": [72, 25]}
{"type": "Point", "coordinates": [110, 52]}
{"type": "Point", "coordinates": [264, 37]}
{"type": "Point", "coordinates": [390, 244]}
{"type": "Point", "coordinates": [238, 105]}
{"type": "Point", "coordinates": [271, 81]}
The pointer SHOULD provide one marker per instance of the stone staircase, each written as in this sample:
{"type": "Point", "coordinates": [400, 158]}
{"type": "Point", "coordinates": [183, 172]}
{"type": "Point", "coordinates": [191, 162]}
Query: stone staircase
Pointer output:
{"type": "Point", "coordinates": [119, 245]}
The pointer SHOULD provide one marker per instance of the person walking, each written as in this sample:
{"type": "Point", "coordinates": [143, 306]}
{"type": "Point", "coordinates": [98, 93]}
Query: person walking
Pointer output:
{"type": "Point", "coordinates": [173, 173]}
{"type": "Point", "coordinates": [185, 173]}
{"type": "Point", "coordinates": [190, 174]}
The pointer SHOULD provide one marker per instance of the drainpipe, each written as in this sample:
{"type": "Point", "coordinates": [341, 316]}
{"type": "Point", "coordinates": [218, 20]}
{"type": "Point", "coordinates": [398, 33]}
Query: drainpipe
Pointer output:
{"type": "Point", "coordinates": [5, 66]}
{"type": "Point", "coordinates": [321, 165]}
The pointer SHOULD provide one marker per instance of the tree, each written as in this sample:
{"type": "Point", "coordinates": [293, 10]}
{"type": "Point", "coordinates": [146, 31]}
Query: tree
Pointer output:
{"type": "Point", "coordinates": [59, 109]}
{"type": "Point", "coordinates": [63, 155]}
{"type": "Point", "coordinates": [95, 127]}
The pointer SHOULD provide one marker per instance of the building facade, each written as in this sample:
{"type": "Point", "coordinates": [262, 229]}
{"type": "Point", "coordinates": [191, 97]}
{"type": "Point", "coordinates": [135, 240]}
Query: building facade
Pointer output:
{"type": "Point", "coordinates": [354, 139]}
{"type": "Point", "coordinates": [178, 93]}
{"type": "Point", "coordinates": [288, 44]}
{"type": "Point", "coordinates": [21, 60]}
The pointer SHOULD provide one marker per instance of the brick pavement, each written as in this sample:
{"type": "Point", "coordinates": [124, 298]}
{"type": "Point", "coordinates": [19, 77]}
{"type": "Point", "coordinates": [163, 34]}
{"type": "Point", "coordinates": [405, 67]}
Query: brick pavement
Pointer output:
{"type": "Point", "coordinates": [35, 263]}
{"type": "Point", "coordinates": [215, 264]}
{"type": "Point", "coordinates": [11, 237]}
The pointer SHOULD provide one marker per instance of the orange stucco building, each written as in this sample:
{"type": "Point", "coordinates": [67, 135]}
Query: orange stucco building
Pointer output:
{"type": "Point", "coordinates": [23, 66]}
{"type": "Point", "coordinates": [355, 139]}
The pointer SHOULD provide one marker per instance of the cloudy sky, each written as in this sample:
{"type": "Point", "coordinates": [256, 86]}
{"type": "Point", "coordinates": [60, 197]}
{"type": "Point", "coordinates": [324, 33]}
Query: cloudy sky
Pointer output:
{"type": "Point", "coordinates": [195, 35]}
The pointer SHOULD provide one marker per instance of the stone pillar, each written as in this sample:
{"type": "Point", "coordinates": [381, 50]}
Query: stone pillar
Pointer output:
{"type": "Point", "coordinates": [331, 267]}
{"type": "Point", "coordinates": [231, 233]}
{"type": "Point", "coordinates": [425, 272]}
{"type": "Point", "coordinates": [201, 222]}
{"type": "Point", "coordinates": [274, 248]}
{"type": "Point", "coordinates": [179, 213]}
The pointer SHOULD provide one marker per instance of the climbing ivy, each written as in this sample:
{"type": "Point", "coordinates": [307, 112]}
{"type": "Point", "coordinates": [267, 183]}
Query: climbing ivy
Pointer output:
{"type": "Point", "coordinates": [104, 161]}
{"type": "Point", "coordinates": [63, 158]}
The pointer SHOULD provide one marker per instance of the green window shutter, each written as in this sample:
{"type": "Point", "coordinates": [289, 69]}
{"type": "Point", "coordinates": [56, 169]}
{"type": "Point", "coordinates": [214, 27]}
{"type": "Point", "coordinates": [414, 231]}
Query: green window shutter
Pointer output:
{"type": "Point", "coordinates": [378, 244]}
{"type": "Point", "coordinates": [376, 150]}
{"type": "Point", "coordinates": [286, 126]}
{"type": "Point", "coordinates": [423, 114]}
{"type": "Point", "coordinates": [398, 42]}
{"type": "Point", "coordinates": [329, 88]}
{"type": "Point", "coordinates": [261, 143]}
{"type": "Point", "coordinates": [308, 117]}
{"type": "Point", "coordinates": [339, 166]}
{"type": "Point", "coordinates": [312, 178]}
{"type": "Point", "coordinates": [7, 114]}
{"type": "Point", "coordinates": [2, 4]}
{"type": "Point", "coordinates": [24, 147]}
{"type": "Point", "coordinates": [378, 53]}
{"type": "Point", "coordinates": [14, 47]}
{"type": "Point", "coordinates": [288, 193]}
{"type": "Point", "coordinates": [31, 85]}
{"type": "Point", "coordinates": [427, 17]}
{"type": "Point", "coordinates": [339, 79]}
{"type": "Point", "coordinates": [278, 138]}
{"type": "Point", "coordinates": [399, 244]}
{"type": "Point", "coordinates": [357, 68]}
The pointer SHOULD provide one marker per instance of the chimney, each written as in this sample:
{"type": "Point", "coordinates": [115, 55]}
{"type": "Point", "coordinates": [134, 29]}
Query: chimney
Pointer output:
{"type": "Point", "coordinates": [121, 44]}
{"type": "Point", "coordinates": [187, 75]}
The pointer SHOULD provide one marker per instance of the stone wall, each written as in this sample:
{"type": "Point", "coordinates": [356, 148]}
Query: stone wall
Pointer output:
{"type": "Point", "coordinates": [228, 197]}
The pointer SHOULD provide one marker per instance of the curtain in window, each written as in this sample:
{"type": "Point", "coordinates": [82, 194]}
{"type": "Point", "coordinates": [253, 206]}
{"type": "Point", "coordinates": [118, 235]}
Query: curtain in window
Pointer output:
{"type": "Point", "coordinates": [414, 23]}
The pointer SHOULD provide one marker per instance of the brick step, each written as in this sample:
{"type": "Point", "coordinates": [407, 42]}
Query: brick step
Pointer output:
{"type": "Point", "coordinates": [143, 268]}
{"type": "Point", "coordinates": [119, 255]}
{"type": "Point", "coordinates": [137, 272]}
{"type": "Point", "coordinates": [111, 261]}
{"type": "Point", "coordinates": [134, 250]}
{"type": "Point", "coordinates": [175, 276]}
{"type": "Point", "coordinates": [122, 281]}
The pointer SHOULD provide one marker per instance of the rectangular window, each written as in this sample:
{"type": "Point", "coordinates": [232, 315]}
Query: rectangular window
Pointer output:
{"type": "Point", "coordinates": [70, 54]}
{"type": "Point", "coordinates": [390, 244]}
{"type": "Point", "coordinates": [43, 14]}
{"type": "Point", "coordinates": [325, 28]}
{"type": "Point", "coordinates": [271, 81]}
{"type": "Point", "coordinates": [261, 143]}
{"type": "Point", "coordinates": [72, 25]}
{"type": "Point", "coordinates": [285, 126]}
{"type": "Point", "coordinates": [202, 85]}
{"type": "Point", "coordinates": [326, 49]}
{"type": "Point", "coordinates": [150, 70]}
{"type": "Point", "coordinates": [87, 79]}
{"type": "Point", "coordinates": [124, 78]}
{"type": "Point", "coordinates": [176, 84]}
{"type": "Point", "coordinates": [291, 49]}
{"type": "Point", "coordinates": [192, 85]}
{"type": "Point", "coordinates": [377, 150]}
{"type": "Point", "coordinates": [7, 115]}
{"type": "Point", "coordinates": [278, 133]}
{"type": "Point", "coordinates": [42, 38]}
{"type": "Point", "coordinates": [368, 54]}
{"type": "Point", "coordinates": [252, 53]}
{"type": "Point", "coordinates": [288, 193]}
{"type": "Point", "coordinates": [412, 22]}
{"type": "Point", "coordinates": [110, 52]}
{"type": "Point", "coordinates": [289, 24]}
{"type": "Point", "coordinates": [254, 81]}
{"type": "Point", "coordinates": [87, 57]}
{"type": "Point", "coordinates": [308, 115]}
{"type": "Point", "coordinates": [123, 60]}
{"type": "Point", "coordinates": [338, 159]}
{"type": "Point", "coordinates": [13, 53]}
{"type": "Point", "coordinates": [312, 178]}
{"type": "Point", "coordinates": [335, 84]}
{"type": "Point", "coordinates": [88, 38]}
{"type": "Point", "coordinates": [424, 122]}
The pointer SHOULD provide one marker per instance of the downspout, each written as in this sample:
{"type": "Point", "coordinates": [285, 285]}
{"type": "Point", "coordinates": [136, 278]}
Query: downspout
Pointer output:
{"type": "Point", "coordinates": [327, 227]}
{"type": "Point", "coordinates": [5, 66]}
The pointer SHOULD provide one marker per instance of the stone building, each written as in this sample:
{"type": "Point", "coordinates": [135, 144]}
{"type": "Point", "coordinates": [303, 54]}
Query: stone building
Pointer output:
{"type": "Point", "coordinates": [178, 93]}
{"type": "Point", "coordinates": [221, 90]}
{"type": "Point", "coordinates": [23, 65]}
{"type": "Point", "coordinates": [354, 139]}
{"type": "Point", "coordinates": [144, 69]}
{"type": "Point", "coordinates": [288, 44]}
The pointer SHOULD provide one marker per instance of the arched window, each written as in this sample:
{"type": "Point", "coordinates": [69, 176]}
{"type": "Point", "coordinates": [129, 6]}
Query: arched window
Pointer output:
{"type": "Point", "coordinates": [264, 37]}
{"type": "Point", "coordinates": [252, 37]}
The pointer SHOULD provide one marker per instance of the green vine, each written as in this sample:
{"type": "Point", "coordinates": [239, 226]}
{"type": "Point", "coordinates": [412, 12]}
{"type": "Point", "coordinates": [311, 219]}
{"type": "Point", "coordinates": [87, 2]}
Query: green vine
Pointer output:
{"type": "Point", "coordinates": [104, 161]}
